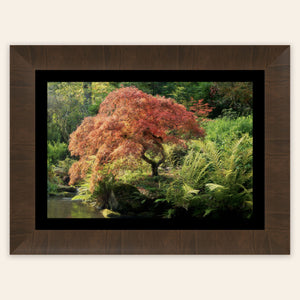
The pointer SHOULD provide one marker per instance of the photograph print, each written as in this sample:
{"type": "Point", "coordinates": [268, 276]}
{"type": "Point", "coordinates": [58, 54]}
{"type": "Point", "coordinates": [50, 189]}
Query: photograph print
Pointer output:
{"type": "Point", "coordinates": [176, 151]}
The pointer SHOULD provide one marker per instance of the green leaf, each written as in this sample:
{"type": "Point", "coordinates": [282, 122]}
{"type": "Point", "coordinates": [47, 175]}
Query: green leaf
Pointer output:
{"type": "Point", "coordinates": [160, 200]}
{"type": "Point", "coordinates": [208, 211]}
{"type": "Point", "coordinates": [214, 186]}
{"type": "Point", "coordinates": [249, 204]}
{"type": "Point", "coordinates": [190, 190]}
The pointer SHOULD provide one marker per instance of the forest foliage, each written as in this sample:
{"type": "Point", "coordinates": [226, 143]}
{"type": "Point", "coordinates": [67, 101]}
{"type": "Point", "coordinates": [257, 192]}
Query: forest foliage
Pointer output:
{"type": "Point", "coordinates": [168, 149]}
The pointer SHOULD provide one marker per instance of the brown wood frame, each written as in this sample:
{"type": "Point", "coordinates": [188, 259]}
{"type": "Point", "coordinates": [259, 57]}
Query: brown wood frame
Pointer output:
{"type": "Point", "coordinates": [275, 239]}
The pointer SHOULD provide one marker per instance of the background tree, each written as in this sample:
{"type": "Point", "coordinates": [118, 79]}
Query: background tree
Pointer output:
{"type": "Point", "coordinates": [69, 103]}
{"type": "Point", "coordinates": [87, 93]}
{"type": "Point", "coordinates": [182, 92]}
{"type": "Point", "coordinates": [232, 99]}
{"type": "Point", "coordinates": [133, 125]}
{"type": "Point", "coordinates": [65, 109]}
{"type": "Point", "coordinates": [200, 109]}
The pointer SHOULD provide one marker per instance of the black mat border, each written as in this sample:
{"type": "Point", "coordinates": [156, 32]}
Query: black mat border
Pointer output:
{"type": "Point", "coordinates": [45, 76]}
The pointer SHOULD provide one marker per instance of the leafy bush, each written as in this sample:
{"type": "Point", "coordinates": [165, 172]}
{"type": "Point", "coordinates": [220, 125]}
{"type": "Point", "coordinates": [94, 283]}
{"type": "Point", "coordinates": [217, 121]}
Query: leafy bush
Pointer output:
{"type": "Point", "coordinates": [180, 194]}
{"type": "Point", "coordinates": [229, 113]}
{"type": "Point", "coordinates": [128, 197]}
{"type": "Point", "coordinates": [66, 164]}
{"type": "Point", "coordinates": [214, 180]}
{"type": "Point", "coordinates": [100, 193]}
{"type": "Point", "coordinates": [103, 189]}
{"type": "Point", "coordinates": [174, 155]}
{"type": "Point", "coordinates": [93, 108]}
{"type": "Point", "coordinates": [51, 187]}
{"type": "Point", "coordinates": [52, 179]}
{"type": "Point", "coordinates": [154, 187]}
{"type": "Point", "coordinates": [237, 96]}
{"type": "Point", "coordinates": [108, 193]}
{"type": "Point", "coordinates": [57, 151]}
{"type": "Point", "coordinates": [224, 130]}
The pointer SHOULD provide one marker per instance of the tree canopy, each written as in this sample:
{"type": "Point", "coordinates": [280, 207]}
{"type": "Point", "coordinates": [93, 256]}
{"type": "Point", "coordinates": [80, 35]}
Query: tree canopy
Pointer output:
{"type": "Point", "coordinates": [133, 125]}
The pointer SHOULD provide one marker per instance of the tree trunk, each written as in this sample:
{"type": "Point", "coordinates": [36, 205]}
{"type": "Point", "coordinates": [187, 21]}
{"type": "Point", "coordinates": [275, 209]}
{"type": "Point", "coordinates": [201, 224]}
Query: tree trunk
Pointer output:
{"type": "Point", "coordinates": [154, 169]}
{"type": "Point", "coordinates": [154, 165]}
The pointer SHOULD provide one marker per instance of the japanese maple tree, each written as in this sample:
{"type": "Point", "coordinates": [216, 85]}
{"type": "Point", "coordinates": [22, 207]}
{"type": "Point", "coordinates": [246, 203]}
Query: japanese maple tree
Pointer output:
{"type": "Point", "coordinates": [200, 109]}
{"type": "Point", "coordinates": [130, 125]}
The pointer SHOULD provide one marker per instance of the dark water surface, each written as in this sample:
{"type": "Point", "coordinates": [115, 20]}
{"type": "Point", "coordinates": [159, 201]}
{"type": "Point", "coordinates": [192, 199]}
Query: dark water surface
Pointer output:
{"type": "Point", "coordinates": [67, 208]}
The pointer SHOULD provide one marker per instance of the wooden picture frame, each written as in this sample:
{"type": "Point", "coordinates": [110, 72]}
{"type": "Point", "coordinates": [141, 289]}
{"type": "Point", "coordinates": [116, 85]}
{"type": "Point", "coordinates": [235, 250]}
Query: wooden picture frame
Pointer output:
{"type": "Point", "coordinates": [25, 239]}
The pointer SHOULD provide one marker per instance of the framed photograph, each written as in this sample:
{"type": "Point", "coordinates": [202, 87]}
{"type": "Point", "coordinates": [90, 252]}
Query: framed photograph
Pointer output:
{"type": "Point", "coordinates": [150, 150]}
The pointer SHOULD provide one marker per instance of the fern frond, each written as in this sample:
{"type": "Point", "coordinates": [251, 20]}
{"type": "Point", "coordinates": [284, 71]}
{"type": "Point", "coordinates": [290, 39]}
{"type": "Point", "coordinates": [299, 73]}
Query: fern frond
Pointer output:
{"type": "Point", "coordinates": [214, 186]}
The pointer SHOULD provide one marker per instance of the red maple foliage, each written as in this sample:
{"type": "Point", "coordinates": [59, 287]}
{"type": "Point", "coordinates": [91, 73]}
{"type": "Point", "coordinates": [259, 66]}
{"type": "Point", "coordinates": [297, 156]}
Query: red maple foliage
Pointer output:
{"type": "Point", "coordinates": [133, 125]}
{"type": "Point", "coordinates": [200, 109]}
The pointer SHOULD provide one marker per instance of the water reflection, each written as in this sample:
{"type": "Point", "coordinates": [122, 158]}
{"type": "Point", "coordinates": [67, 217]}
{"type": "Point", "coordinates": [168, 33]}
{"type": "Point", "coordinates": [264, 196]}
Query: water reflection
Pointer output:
{"type": "Point", "coordinates": [66, 208]}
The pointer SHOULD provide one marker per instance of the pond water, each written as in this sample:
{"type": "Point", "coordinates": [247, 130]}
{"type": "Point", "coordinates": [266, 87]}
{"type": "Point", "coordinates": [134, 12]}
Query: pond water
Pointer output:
{"type": "Point", "coordinates": [67, 208]}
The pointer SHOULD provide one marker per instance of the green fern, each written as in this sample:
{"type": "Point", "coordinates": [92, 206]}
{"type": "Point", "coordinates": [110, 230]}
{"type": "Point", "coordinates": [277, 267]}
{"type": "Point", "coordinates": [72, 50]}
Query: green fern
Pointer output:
{"type": "Point", "coordinates": [222, 178]}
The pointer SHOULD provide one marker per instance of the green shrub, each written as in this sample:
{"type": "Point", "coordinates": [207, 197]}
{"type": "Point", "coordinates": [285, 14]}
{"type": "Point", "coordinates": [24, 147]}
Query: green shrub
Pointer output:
{"type": "Point", "coordinates": [214, 180]}
{"type": "Point", "coordinates": [109, 193]}
{"type": "Point", "coordinates": [101, 191]}
{"type": "Point", "coordinates": [51, 187]}
{"type": "Point", "coordinates": [128, 197]}
{"type": "Point", "coordinates": [174, 155]}
{"type": "Point", "coordinates": [57, 151]}
{"type": "Point", "coordinates": [180, 194]}
{"type": "Point", "coordinates": [224, 130]}
{"type": "Point", "coordinates": [52, 179]}
{"type": "Point", "coordinates": [66, 164]}
{"type": "Point", "coordinates": [229, 113]}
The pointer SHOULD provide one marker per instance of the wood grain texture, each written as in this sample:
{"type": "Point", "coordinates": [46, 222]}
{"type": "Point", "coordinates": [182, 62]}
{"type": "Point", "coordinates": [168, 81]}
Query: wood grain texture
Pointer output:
{"type": "Point", "coordinates": [275, 239]}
